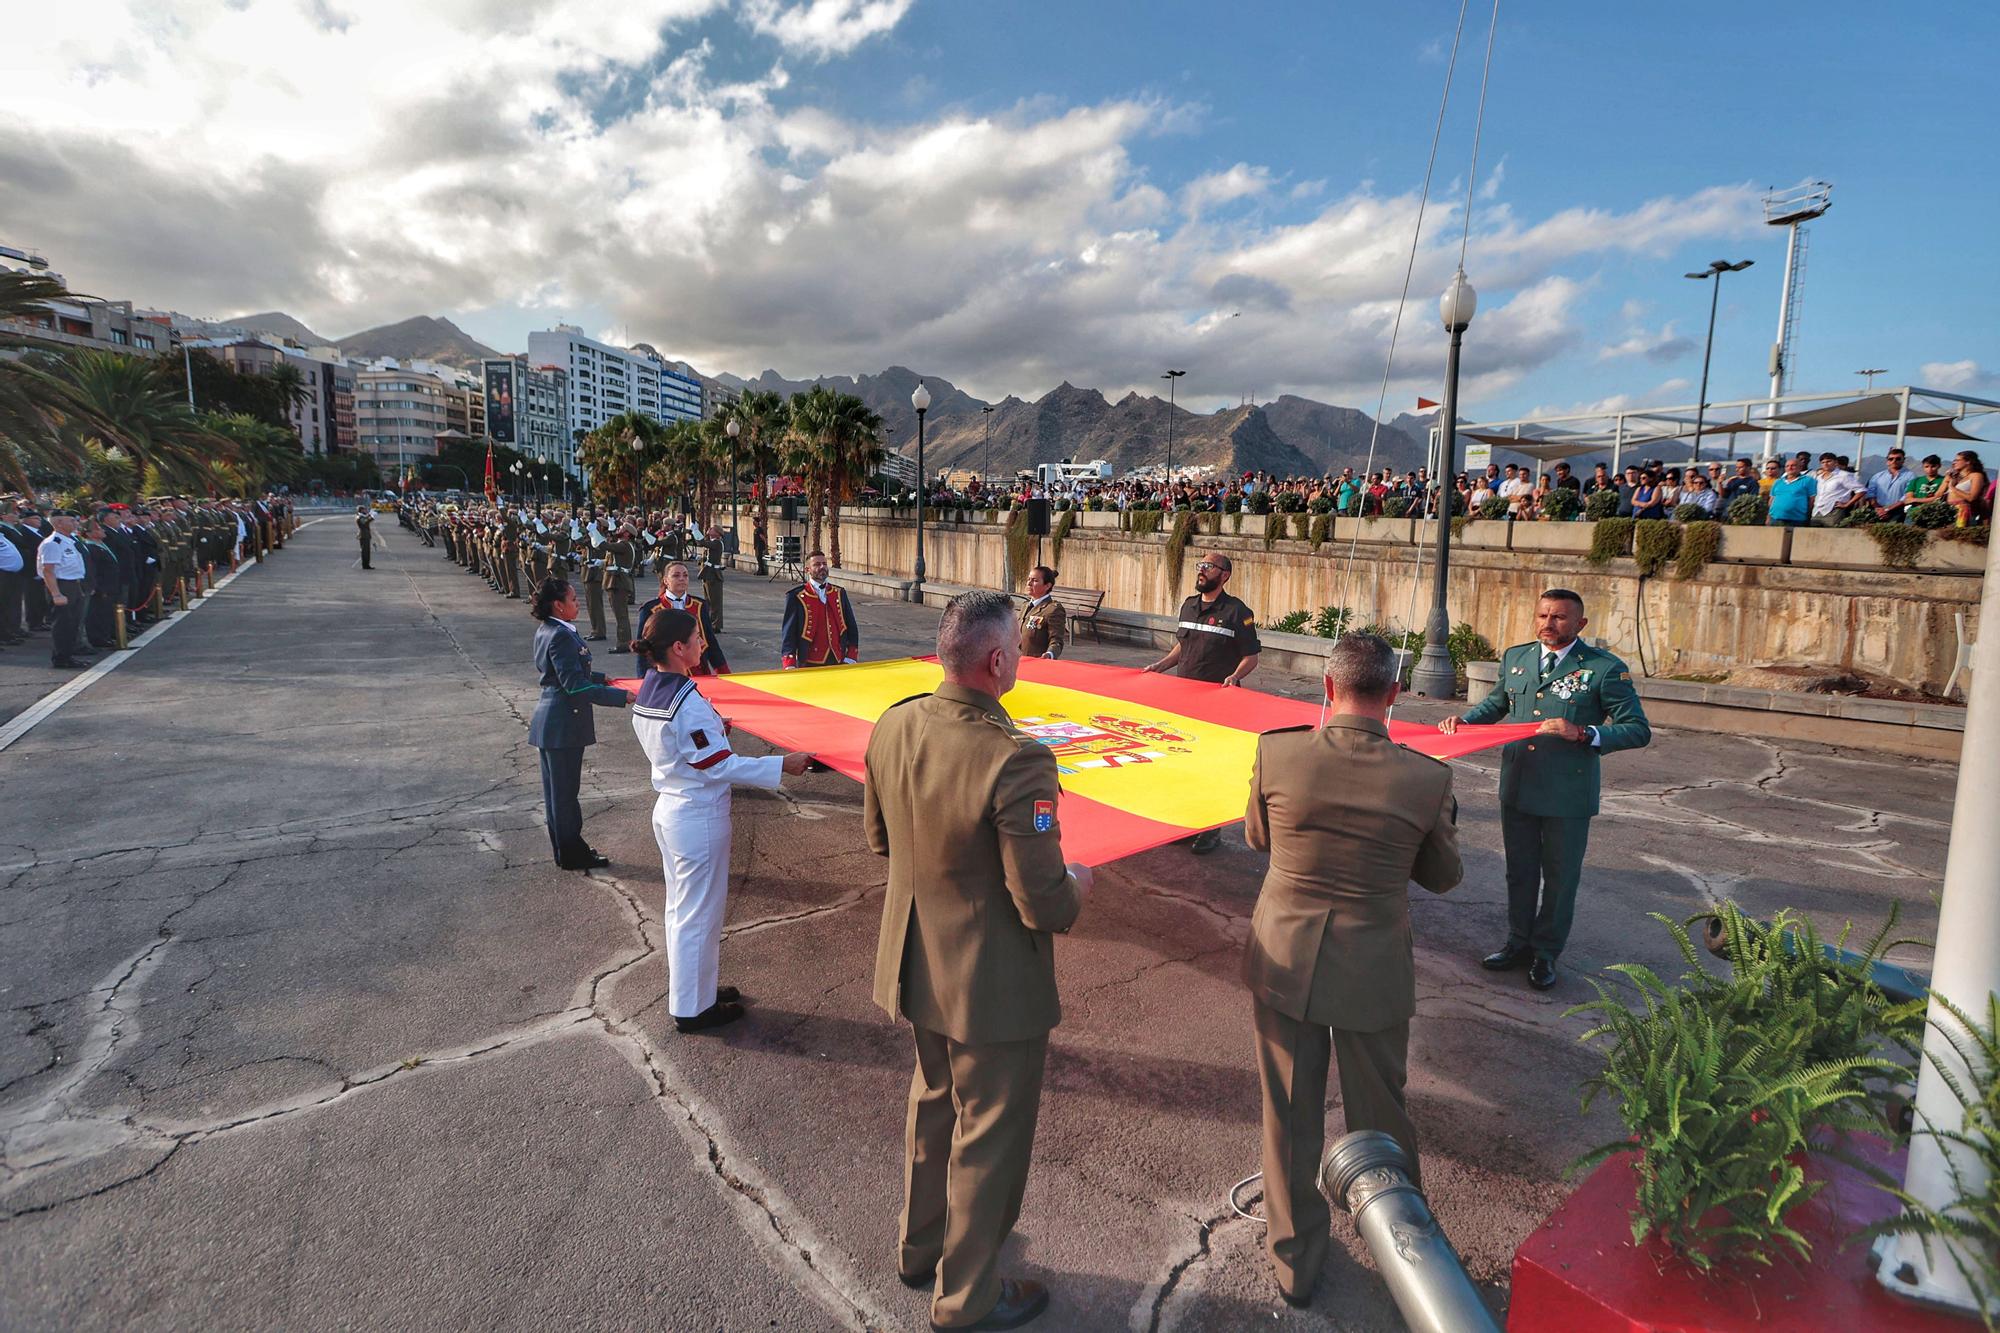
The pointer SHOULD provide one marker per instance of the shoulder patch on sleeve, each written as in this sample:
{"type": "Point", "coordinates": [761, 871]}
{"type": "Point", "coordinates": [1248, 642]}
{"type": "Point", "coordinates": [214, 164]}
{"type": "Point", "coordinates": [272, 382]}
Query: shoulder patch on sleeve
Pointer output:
{"type": "Point", "coordinates": [1045, 816]}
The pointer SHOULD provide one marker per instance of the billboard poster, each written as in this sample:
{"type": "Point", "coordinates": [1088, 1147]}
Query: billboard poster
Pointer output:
{"type": "Point", "coordinates": [500, 401]}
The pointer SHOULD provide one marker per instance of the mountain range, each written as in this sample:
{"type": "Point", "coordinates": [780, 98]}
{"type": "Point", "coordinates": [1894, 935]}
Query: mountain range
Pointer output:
{"type": "Point", "coordinates": [1289, 436]}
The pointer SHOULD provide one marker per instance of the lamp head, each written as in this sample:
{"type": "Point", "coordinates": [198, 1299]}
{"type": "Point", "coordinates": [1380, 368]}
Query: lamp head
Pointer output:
{"type": "Point", "coordinates": [734, 428]}
{"type": "Point", "coordinates": [921, 399]}
{"type": "Point", "coordinates": [1457, 305]}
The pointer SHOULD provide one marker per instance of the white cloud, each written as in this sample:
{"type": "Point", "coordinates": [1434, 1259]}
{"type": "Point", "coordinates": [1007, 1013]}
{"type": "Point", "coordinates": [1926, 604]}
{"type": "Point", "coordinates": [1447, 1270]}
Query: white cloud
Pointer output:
{"type": "Point", "coordinates": [825, 28]}
{"type": "Point", "coordinates": [1956, 376]}
{"type": "Point", "coordinates": [1658, 346]}
{"type": "Point", "coordinates": [1241, 181]}
{"type": "Point", "coordinates": [469, 155]}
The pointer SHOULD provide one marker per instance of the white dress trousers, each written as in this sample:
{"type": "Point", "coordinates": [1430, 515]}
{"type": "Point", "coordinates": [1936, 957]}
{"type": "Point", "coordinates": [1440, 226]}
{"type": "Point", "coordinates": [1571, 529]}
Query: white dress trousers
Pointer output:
{"type": "Point", "coordinates": [693, 767]}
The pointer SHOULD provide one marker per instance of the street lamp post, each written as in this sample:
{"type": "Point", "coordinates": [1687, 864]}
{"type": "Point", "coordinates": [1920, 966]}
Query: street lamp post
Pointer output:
{"type": "Point", "coordinates": [516, 470]}
{"type": "Point", "coordinates": [733, 429]}
{"type": "Point", "coordinates": [639, 469]}
{"type": "Point", "coordinates": [921, 400]}
{"type": "Point", "coordinates": [1170, 377]}
{"type": "Point", "coordinates": [986, 468]}
{"type": "Point", "coordinates": [1433, 677]}
{"type": "Point", "coordinates": [1715, 270]}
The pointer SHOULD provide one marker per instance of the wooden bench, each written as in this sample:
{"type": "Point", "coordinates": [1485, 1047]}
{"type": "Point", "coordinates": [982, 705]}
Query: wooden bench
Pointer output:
{"type": "Point", "coordinates": [1079, 607]}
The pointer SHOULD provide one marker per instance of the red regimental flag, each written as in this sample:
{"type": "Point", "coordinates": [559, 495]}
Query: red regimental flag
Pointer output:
{"type": "Point", "coordinates": [1143, 759]}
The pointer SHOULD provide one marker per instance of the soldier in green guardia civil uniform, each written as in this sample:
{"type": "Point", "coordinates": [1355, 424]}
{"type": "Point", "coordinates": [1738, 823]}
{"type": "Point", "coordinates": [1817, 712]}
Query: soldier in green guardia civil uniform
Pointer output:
{"type": "Point", "coordinates": [1584, 699]}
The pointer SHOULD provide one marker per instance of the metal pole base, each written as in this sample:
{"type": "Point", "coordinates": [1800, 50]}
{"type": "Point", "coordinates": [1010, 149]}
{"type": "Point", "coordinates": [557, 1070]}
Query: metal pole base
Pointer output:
{"type": "Point", "coordinates": [1368, 1174]}
{"type": "Point", "coordinates": [1433, 677]}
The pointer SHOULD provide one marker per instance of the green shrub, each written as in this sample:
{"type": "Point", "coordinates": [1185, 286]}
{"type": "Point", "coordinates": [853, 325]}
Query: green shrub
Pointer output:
{"type": "Point", "coordinates": [1860, 516]}
{"type": "Point", "coordinates": [1020, 549]}
{"type": "Point", "coordinates": [1466, 644]}
{"type": "Point", "coordinates": [1236, 522]}
{"type": "Point", "coordinates": [1143, 522]}
{"type": "Point", "coordinates": [1724, 1082]}
{"type": "Point", "coordinates": [1293, 622]}
{"type": "Point", "coordinates": [1493, 506]}
{"type": "Point", "coordinates": [1700, 541]}
{"type": "Point", "coordinates": [1977, 535]}
{"type": "Point", "coordinates": [1322, 504]}
{"type": "Point", "coordinates": [1601, 504]}
{"type": "Point", "coordinates": [1063, 527]}
{"type": "Point", "coordinates": [1177, 541]}
{"type": "Point", "coordinates": [1748, 511]}
{"type": "Point", "coordinates": [1655, 542]}
{"type": "Point", "coordinates": [1611, 538]}
{"type": "Point", "coordinates": [1260, 503]}
{"type": "Point", "coordinates": [1330, 622]}
{"type": "Point", "coordinates": [1232, 503]}
{"type": "Point", "coordinates": [1322, 527]}
{"type": "Point", "coordinates": [1560, 505]}
{"type": "Point", "coordinates": [1291, 502]}
{"type": "Point", "coordinates": [1932, 514]}
{"type": "Point", "coordinates": [1690, 512]}
{"type": "Point", "coordinates": [1898, 544]}
{"type": "Point", "coordinates": [1397, 506]}
{"type": "Point", "coordinates": [1302, 525]}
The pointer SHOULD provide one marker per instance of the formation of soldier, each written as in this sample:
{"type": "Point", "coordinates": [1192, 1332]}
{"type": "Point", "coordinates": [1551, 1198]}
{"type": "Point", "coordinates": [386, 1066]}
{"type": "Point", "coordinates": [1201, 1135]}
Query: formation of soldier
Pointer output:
{"type": "Point", "coordinates": [75, 573]}
{"type": "Point", "coordinates": [611, 554]}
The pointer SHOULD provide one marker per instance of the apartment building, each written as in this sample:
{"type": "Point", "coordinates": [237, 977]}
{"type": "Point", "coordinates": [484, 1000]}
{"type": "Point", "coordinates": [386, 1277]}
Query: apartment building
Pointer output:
{"type": "Point", "coordinates": [527, 408]}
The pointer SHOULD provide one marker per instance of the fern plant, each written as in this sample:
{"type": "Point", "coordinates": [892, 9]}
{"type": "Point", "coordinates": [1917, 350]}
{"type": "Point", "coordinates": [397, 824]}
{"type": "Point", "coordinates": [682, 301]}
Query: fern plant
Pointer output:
{"type": "Point", "coordinates": [1330, 622]}
{"type": "Point", "coordinates": [1970, 1222]}
{"type": "Point", "coordinates": [1292, 622]}
{"type": "Point", "coordinates": [1726, 1084]}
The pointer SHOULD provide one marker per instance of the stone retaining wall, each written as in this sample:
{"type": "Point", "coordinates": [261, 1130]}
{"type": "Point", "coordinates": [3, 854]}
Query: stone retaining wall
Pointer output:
{"type": "Point", "coordinates": [1808, 596]}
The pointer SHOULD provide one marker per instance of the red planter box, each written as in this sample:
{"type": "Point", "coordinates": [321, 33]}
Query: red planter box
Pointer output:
{"type": "Point", "coordinates": [1581, 1273]}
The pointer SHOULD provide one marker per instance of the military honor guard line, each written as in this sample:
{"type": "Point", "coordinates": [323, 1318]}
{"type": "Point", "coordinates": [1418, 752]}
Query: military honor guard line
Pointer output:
{"type": "Point", "coordinates": [966, 807]}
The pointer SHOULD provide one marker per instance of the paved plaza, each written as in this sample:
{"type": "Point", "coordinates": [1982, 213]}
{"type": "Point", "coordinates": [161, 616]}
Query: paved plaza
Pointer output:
{"type": "Point", "coordinates": [304, 1030]}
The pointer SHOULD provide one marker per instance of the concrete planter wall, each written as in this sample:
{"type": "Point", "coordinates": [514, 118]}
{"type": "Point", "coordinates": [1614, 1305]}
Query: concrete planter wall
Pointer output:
{"type": "Point", "coordinates": [1953, 557]}
{"type": "Point", "coordinates": [1101, 518]}
{"type": "Point", "coordinates": [1836, 548]}
{"type": "Point", "coordinates": [1567, 538]}
{"type": "Point", "coordinates": [1747, 545]}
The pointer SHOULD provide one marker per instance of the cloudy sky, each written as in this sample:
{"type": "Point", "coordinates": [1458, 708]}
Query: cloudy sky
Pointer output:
{"type": "Point", "coordinates": [1012, 193]}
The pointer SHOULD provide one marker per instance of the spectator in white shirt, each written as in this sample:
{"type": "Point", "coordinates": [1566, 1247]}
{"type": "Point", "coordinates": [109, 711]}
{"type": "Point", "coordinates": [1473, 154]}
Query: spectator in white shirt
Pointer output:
{"type": "Point", "coordinates": [59, 561]}
{"type": "Point", "coordinates": [1838, 491]}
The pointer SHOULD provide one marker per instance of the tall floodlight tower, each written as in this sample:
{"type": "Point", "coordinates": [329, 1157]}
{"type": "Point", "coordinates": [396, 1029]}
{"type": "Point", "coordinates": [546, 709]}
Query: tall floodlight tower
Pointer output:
{"type": "Point", "coordinates": [1791, 209]}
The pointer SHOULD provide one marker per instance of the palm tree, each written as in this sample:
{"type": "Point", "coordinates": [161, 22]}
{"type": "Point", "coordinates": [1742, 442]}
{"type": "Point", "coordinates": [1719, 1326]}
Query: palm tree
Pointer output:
{"type": "Point", "coordinates": [290, 382]}
{"type": "Point", "coordinates": [615, 464]}
{"type": "Point", "coordinates": [43, 422]}
{"type": "Point", "coordinates": [137, 402]}
{"type": "Point", "coordinates": [855, 452]}
{"type": "Point", "coordinates": [765, 418]}
{"type": "Point", "coordinates": [809, 446]}
{"type": "Point", "coordinates": [263, 454]}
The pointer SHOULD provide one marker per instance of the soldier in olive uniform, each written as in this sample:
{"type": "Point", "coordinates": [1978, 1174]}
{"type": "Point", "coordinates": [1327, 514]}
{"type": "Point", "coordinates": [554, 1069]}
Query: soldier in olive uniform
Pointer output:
{"type": "Point", "coordinates": [592, 552]}
{"type": "Point", "coordinates": [964, 806]}
{"type": "Point", "coordinates": [1044, 623]}
{"type": "Point", "coordinates": [620, 556]}
{"type": "Point", "coordinates": [1586, 705]}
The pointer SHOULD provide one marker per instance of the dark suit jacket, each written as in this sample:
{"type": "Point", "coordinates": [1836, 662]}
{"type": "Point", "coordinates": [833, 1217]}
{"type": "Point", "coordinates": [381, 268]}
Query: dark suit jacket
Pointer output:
{"type": "Point", "coordinates": [563, 720]}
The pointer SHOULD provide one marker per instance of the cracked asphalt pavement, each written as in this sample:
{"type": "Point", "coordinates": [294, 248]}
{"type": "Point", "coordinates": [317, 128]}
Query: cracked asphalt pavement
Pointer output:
{"type": "Point", "coordinates": [303, 1029]}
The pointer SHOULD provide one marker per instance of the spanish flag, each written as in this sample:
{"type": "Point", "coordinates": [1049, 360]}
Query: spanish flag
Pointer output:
{"type": "Point", "coordinates": [1144, 759]}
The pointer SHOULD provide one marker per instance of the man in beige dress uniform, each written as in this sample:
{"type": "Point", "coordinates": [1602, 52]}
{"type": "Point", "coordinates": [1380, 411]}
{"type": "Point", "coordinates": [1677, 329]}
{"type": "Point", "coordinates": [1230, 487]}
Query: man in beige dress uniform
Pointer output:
{"type": "Point", "coordinates": [964, 807]}
{"type": "Point", "coordinates": [1349, 818]}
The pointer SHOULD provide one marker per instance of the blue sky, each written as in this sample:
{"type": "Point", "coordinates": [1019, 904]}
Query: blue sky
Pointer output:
{"type": "Point", "coordinates": [1012, 194]}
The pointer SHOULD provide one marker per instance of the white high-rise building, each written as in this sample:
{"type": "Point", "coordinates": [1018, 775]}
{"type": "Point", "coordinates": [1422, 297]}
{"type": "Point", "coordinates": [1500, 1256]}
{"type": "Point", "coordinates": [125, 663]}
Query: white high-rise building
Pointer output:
{"type": "Point", "coordinates": [603, 380]}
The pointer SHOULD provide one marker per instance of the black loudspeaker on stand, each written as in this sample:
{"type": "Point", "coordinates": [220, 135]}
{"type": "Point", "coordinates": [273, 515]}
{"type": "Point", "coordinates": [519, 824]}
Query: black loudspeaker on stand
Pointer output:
{"type": "Point", "coordinates": [1038, 518]}
{"type": "Point", "coordinates": [788, 509]}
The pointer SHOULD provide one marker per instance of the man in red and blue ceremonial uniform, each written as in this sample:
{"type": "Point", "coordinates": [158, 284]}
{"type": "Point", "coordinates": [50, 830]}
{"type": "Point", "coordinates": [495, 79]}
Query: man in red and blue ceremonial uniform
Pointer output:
{"type": "Point", "coordinates": [818, 628]}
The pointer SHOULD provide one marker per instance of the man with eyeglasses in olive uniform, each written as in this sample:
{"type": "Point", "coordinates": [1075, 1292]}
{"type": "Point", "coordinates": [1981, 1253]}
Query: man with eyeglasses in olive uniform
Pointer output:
{"type": "Point", "coordinates": [1215, 640]}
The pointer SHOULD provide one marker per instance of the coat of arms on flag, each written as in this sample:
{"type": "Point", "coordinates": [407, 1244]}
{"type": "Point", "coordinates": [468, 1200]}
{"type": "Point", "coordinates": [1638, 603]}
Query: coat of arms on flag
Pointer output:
{"type": "Point", "coordinates": [1045, 816]}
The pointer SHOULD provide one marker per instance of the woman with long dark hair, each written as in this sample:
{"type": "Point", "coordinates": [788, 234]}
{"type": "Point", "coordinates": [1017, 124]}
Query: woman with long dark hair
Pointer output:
{"type": "Point", "coordinates": [563, 723]}
{"type": "Point", "coordinates": [687, 743]}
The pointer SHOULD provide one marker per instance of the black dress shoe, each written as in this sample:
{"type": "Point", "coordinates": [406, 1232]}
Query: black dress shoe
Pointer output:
{"type": "Point", "coordinates": [1020, 1300]}
{"type": "Point", "coordinates": [1507, 959]}
{"type": "Point", "coordinates": [727, 995]}
{"type": "Point", "coordinates": [592, 860]}
{"type": "Point", "coordinates": [66, 664]}
{"type": "Point", "coordinates": [595, 638]}
{"type": "Point", "coordinates": [917, 1281]}
{"type": "Point", "coordinates": [1296, 1302]}
{"type": "Point", "coordinates": [1542, 973]}
{"type": "Point", "coordinates": [714, 1016]}
{"type": "Point", "coordinates": [1204, 842]}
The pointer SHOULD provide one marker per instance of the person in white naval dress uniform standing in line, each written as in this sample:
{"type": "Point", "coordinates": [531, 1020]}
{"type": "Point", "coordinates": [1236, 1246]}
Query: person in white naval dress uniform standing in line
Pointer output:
{"type": "Point", "coordinates": [693, 769]}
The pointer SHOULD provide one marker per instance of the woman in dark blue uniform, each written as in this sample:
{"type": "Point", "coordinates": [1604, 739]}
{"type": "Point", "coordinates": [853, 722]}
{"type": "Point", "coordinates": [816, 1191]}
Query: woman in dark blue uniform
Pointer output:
{"type": "Point", "coordinates": [563, 724]}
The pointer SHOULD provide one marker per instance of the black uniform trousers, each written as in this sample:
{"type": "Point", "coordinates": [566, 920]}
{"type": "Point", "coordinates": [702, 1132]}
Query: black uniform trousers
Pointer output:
{"type": "Point", "coordinates": [100, 620]}
{"type": "Point", "coordinates": [562, 780]}
{"type": "Point", "coordinates": [12, 584]}
{"type": "Point", "coordinates": [67, 619]}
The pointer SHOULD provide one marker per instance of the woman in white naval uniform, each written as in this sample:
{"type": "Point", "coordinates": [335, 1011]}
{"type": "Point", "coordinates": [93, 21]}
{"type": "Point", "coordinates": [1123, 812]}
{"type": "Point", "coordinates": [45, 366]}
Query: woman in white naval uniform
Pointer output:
{"type": "Point", "coordinates": [693, 769]}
